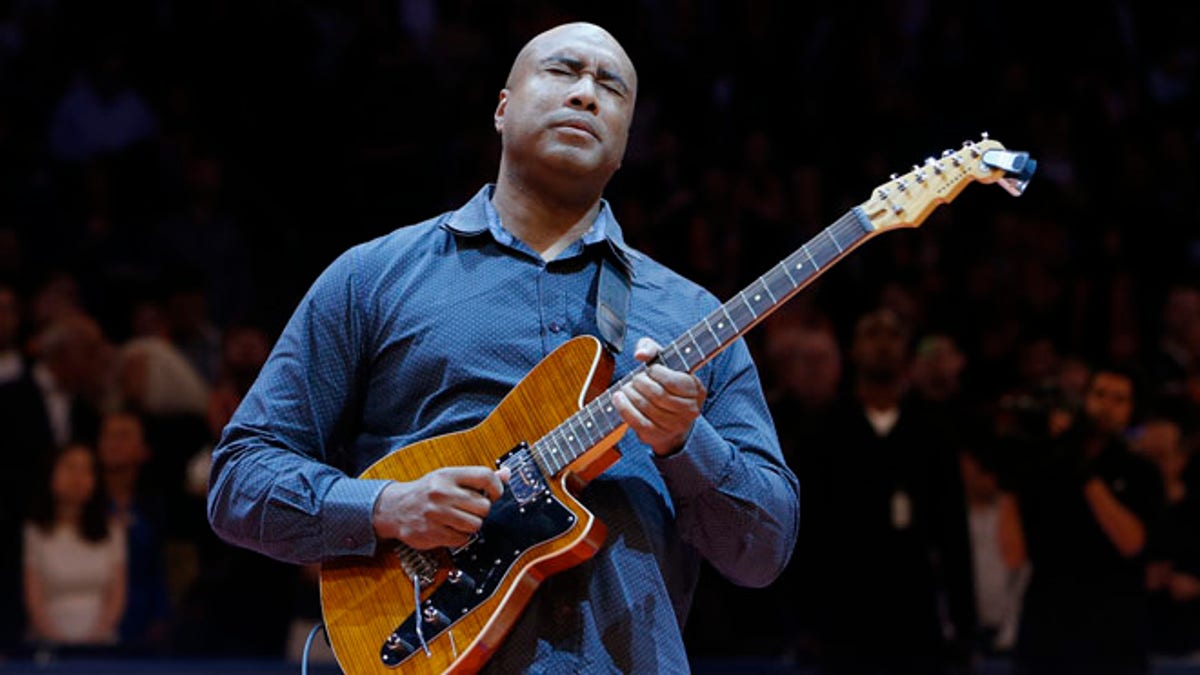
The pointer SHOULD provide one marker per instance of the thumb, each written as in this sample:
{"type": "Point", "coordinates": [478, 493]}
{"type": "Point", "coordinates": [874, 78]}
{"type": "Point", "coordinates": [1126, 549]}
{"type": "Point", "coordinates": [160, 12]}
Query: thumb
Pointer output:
{"type": "Point", "coordinates": [646, 349]}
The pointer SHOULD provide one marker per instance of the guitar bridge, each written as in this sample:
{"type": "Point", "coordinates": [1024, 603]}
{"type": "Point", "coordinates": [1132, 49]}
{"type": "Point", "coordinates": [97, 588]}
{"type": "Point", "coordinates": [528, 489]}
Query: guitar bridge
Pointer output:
{"type": "Point", "coordinates": [525, 476]}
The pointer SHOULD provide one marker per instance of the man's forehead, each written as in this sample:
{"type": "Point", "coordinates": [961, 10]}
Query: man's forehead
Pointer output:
{"type": "Point", "coordinates": [580, 41]}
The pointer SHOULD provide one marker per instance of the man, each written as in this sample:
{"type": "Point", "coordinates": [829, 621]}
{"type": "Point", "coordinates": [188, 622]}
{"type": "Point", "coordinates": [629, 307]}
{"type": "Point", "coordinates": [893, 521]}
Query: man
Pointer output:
{"type": "Point", "coordinates": [423, 331]}
{"type": "Point", "coordinates": [1078, 507]}
{"type": "Point", "coordinates": [886, 538]}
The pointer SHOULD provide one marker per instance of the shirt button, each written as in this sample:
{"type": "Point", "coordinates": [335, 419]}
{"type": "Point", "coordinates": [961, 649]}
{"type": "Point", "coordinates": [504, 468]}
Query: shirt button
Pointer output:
{"type": "Point", "coordinates": [555, 327]}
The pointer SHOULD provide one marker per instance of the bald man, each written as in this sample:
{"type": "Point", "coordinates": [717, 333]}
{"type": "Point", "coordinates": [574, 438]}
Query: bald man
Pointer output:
{"type": "Point", "coordinates": [421, 332]}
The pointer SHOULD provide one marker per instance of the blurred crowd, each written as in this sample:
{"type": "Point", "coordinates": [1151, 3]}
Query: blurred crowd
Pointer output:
{"type": "Point", "coordinates": [993, 418]}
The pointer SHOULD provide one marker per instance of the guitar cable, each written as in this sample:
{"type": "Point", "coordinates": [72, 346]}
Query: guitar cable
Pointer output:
{"type": "Point", "coordinates": [308, 645]}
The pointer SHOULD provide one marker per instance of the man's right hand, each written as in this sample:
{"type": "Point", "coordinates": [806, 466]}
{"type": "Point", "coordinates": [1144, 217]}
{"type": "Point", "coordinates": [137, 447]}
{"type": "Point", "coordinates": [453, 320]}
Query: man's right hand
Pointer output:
{"type": "Point", "coordinates": [442, 508]}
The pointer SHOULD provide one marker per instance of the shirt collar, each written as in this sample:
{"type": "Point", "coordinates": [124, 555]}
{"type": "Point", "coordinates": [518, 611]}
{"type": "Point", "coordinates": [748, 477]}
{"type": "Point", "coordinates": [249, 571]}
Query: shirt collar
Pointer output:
{"type": "Point", "coordinates": [479, 215]}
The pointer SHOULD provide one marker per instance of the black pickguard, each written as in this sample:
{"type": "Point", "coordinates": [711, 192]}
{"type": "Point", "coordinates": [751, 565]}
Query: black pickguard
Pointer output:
{"type": "Point", "coordinates": [479, 567]}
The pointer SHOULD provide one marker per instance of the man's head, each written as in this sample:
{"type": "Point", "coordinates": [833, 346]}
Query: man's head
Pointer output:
{"type": "Point", "coordinates": [880, 346]}
{"type": "Point", "coordinates": [122, 442]}
{"type": "Point", "coordinates": [1109, 399]}
{"type": "Point", "coordinates": [806, 360]}
{"type": "Point", "coordinates": [75, 350]}
{"type": "Point", "coordinates": [565, 111]}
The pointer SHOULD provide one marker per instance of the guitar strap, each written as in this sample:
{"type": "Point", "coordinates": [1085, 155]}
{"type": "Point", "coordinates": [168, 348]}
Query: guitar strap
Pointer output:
{"type": "Point", "coordinates": [612, 304]}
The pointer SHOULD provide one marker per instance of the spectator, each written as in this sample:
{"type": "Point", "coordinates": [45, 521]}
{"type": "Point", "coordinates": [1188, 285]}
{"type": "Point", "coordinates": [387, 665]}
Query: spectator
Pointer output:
{"type": "Point", "coordinates": [136, 506]}
{"type": "Point", "coordinates": [75, 565]}
{"type": "Point", "coordinates": [887, 522]}
{"type": "Point", "coordinates": [1078, 507]}
{"type": "Point", "coordinates": [1173, 577]}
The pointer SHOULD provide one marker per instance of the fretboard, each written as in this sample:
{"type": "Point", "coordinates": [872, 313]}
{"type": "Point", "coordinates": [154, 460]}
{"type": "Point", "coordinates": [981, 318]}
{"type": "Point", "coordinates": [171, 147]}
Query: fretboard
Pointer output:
{"type": "Point", "coordinates": [703, 341]}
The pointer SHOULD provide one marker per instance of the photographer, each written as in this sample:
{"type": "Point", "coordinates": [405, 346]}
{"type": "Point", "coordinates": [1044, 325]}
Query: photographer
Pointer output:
{"type": "Point", "coordinates": [1078, 505]}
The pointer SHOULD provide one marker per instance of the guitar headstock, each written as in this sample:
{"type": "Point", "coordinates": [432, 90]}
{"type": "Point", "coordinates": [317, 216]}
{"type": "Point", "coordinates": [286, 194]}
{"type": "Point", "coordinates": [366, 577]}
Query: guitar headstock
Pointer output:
{"type": "Point", "coordinates": [905, 201]}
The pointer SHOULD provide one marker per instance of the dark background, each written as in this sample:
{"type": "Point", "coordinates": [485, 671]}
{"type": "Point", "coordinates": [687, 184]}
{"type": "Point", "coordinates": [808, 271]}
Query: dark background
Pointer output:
{"type": "Point", "coordinates": [272, 135]}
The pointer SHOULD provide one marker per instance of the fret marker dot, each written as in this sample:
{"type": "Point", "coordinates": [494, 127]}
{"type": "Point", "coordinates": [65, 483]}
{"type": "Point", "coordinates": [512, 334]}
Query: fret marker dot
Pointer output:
{"type": "Point", "coordinates": [757, 298]}
{"type": "Point", "coordinates": [799, 265]}
{"type": "Point", "coordinates": [587, 424]}
{"type": "Point", "coordinates": [608, 409]}
{"type": "Point", "coordinates": [553, 449]}
{"type": "Point", "coordinates": [687, 350]}
{"type": "Point", "coordinates": [570, 438]}
{"type": "Point", "coordinates": [720, 324]}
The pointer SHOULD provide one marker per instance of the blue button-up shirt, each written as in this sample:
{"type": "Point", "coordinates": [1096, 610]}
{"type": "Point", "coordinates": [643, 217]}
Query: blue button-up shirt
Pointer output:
{"type": "Point", "coordinates": [421, 332]}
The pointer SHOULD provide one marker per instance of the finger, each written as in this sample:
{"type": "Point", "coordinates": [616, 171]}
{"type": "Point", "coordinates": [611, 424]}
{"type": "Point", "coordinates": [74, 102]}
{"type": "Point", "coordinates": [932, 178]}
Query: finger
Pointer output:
{"type": "Point", "coordinates": [472, 502]}
{"type": "Point", "coordinates": [631, 414]}
{"type": "Point", "coordinates": [680, 384]}
{"type": "Point", "coordinates": [646, 349]}
{"type": "Point", "coordinates": [459, 521]}
{"type": "Point", "coordinates": [478, 478]}
{"type": "Point", "coordinates": [655, 400]}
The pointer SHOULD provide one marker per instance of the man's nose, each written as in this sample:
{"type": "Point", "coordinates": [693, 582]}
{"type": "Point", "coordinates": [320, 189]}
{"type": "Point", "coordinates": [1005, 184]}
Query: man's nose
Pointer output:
{"type": "Point", "coordinates": [583, 94]}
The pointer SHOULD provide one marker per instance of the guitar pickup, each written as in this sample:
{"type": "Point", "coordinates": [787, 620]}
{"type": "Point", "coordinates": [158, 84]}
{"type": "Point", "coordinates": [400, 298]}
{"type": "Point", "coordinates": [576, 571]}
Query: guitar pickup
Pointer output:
{"type": "Point", "coordinates": [525, 476]}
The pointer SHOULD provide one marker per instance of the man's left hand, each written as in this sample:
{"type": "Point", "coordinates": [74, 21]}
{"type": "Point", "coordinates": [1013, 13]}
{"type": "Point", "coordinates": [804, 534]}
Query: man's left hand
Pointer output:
{"type": "Point", "coordinates": [660, 404]}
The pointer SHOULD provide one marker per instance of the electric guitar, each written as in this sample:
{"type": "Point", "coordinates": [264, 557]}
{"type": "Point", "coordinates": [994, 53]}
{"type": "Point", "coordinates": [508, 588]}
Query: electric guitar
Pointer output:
{"type": "Point", "coordinates": [411, 611]}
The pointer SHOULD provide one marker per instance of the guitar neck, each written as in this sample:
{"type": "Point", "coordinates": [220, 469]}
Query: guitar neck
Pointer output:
{"type": "Point", "coordinates": [703, 341]}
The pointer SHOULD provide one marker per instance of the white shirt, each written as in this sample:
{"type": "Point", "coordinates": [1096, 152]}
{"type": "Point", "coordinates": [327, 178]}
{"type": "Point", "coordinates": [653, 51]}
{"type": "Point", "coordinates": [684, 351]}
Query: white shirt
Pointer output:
{"type": "Point", "coordinates": [58, 404]}
{"type": "Point", "coordinates": [75, 574]}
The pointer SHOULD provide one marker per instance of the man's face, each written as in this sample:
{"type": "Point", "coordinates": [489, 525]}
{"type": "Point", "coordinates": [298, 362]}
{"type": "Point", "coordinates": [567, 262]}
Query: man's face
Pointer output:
{"type": "Point", "coordinates": [1109, 402]}
{"type": "Point", "coordinates": [879, 345]}
{"type": "Point", "coordinates": [121, 441]}
{"type": "Point", "coordinates": [568, 104]}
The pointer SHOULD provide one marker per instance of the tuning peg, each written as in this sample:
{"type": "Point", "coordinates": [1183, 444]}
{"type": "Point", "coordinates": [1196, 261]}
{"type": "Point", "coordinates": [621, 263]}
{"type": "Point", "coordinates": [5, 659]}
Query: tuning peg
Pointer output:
{"type": "Point", "coordinates": [984, 135]}
{"type": "Point", "coordinates": [883, 194]}
{"type": "Point", "coordinates": [928, 161]}
{"type": "Point", "coordinates": [894, 176]}
{"type": "Point", "coordinates": [919, 173]}
{"type": "Point", "coordinates": [896, 208]}
{"type": "Point", "coordinates": [946, 153]}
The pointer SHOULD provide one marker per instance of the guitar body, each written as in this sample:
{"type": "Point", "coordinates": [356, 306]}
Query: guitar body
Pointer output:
{"type": "Point", "coordinates": [367, 599]}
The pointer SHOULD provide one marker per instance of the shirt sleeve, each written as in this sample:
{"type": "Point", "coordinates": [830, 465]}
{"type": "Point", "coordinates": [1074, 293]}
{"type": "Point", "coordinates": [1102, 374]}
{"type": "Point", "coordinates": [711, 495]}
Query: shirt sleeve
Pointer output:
{"type": "Point", "coordinates": [736, 500]}
{"type": "Point", "coordinates": [272, 488]}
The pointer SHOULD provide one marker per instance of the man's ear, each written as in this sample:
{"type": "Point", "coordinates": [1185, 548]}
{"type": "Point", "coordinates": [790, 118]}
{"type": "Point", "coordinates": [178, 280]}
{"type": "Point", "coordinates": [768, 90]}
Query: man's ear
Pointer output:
{"type": "Point", "coordinates": [498, 117]}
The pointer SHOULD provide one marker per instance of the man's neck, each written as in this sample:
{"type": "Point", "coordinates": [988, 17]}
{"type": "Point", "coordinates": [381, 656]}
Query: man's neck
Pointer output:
{"type": "Point", "coordinates": [545, 224]}
{"type": "Point", "coordinates": [121, 484]}
{"type": "Point", "coordinates": [879, 395]}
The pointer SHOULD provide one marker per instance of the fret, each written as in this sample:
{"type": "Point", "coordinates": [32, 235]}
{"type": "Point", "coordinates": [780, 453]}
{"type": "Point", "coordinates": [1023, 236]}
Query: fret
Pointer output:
{"type": "Point", "coordinates": [822, 249]}
{"type": "Point", "coordinates": [778, 284]}
{"type": "Point", "coordinates": [564, 453]}
{"type": "Point", "coordinates": [795, 266]}
{"type": "Point", "coordinates": [784, 266]}
{"type": "Point", "coordinates": [543, 461]}
{"type": "Point", "coordinates": [599, 425]}
{"type": "Point", "coordinates": [708, 324]}
{"type": "Point", "coordinates": [671, 358]}
{"type": "Point", "coordinates": [762, 282]}
{"type": "Point", "coordinates": [585, 428]}
{"type": "Point", "coordinates": [688, 350]}
{"type": "Point", "coordinates": [571, 437]}
{"type": "Point", "coordinates": [582, 433]}
{"type": "Point", "coordinates": [726, 324]}
{"type": "Point", "coordinates": [553, 455]}
{"type": "Point", "coordinates": [605, 407]}
{"type": "Point", "coordinates": [705, 340]}
{"type": "Point", "coordinates": [758, 298]}
{"type": "Point", "coordinates": [829, 233]}
{"type": "Point", "coordinates": [811, 260]}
